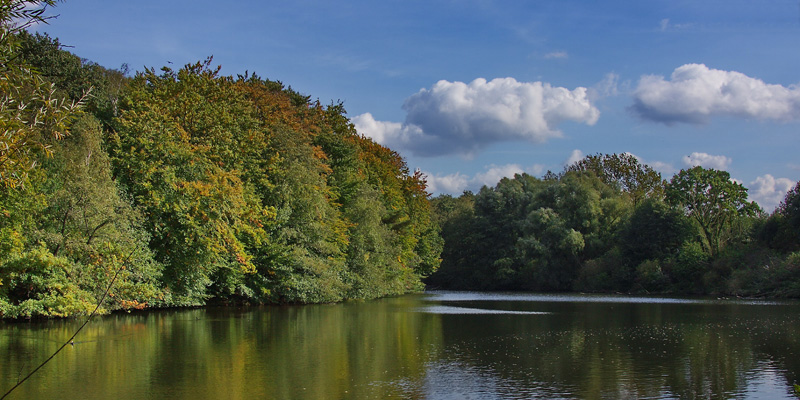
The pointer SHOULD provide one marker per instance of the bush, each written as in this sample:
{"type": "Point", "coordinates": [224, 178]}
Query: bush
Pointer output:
{"type": "Point", "coordinates": [608, 273]}
{"type": "Point", "coordinates": [688, 268]}
{"type": "Point", "coordinates": [38, 284]}
{"type": "Point", "coordinates": [650, 277]}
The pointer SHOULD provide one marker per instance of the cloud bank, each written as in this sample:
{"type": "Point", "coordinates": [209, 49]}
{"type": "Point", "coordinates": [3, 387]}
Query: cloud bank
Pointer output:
{"type": "Point", "coordinates": [695, 93]}
{"type": "Point", "coordinates": [464, 118]}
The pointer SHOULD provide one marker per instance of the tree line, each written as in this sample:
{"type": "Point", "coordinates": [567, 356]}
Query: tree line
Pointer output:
{"type": "Point", "coordinates": [191, 187]}
{"type": "Point", "coordinates": [611, 224]}
{"type": "Point", "coordinates": [196, 187]}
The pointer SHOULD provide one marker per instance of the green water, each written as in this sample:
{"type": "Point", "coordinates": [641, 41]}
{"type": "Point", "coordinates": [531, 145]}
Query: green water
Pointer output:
{"type": "Point", "coordinates": [433, 346]}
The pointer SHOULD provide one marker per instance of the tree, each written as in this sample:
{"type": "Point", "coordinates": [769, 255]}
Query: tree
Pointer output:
{"type": "Point", "coordinates": [74, 77]}
{"type": "Point", "coordinates": [31, 113]}
{"type": "Point", "coordinates": [654, 231]}
{"type": "Point", "coordinates": [625, 172]}
{"type": "Point", "coordinates": [782, 229]}
{"type": "Point", "coordinates": [790, 210]}
{"type": "Point", "coordinates": [179, 139]}
{"type": "Point", "coordinates": [713, 201]}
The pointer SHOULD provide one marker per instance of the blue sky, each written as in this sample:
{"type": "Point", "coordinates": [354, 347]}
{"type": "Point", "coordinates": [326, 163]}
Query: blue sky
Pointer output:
{"type": "Point", "coordinates": [470, 91]}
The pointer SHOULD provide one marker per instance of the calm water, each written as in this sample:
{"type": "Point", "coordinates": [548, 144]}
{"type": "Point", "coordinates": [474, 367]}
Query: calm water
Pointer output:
{"type": "Point", "coordinates": [440, 345]}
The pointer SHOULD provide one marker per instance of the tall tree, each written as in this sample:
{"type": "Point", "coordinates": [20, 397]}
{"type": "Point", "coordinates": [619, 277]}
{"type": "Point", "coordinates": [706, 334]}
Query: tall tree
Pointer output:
{"type": "Point", "coordinates": [713, 201]}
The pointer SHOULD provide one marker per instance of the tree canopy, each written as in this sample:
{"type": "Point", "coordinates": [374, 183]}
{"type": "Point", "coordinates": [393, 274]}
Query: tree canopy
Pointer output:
{"type": "Point", "coordinates": [199, 187]}
{"type": "Point", "coordinates": [711, 199]}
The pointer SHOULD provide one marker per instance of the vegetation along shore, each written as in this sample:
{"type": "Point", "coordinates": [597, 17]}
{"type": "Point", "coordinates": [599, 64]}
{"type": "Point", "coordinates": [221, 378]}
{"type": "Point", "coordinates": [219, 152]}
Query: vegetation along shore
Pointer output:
{"type": "Point", "coordinates": [190, 187]}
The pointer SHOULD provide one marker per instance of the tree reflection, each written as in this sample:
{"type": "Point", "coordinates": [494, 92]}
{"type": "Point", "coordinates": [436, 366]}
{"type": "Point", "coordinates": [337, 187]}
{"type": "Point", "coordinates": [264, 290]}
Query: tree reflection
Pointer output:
{"type": "Point", "coordinates": [402, 348]}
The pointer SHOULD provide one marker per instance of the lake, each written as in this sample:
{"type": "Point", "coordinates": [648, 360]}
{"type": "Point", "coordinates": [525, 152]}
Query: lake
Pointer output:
{"type": "Point", "coordinates": [437, 345]}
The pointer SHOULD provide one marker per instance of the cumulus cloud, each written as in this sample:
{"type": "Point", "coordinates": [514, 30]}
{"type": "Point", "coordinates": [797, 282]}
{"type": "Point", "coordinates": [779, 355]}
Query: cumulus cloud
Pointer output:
{"type": "Point", "coordinates": [695, 93]}
{"type": "Point", "coordinates": [451, 184]}
{"type": "Point", "coordinates": [706, 160]}
{"type": "Point", "coordinates": [391, 134]}
{"type": "Point", "coordinates": [769, 191]}
{"type": "Point", "coordinates": [464, 118]}
{"type": "Point", "coordinates": [457, 183]}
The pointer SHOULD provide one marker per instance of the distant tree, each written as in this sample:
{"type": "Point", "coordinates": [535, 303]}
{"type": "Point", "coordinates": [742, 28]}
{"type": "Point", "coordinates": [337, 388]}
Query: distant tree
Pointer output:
{"type": "Point", "coordinates": [782, 229]}
{"type": "Point", "coordinates": [713, 201]}
{"type": "Point", "coordinates": [456, 216]}
{"type": "Point", "coordinates": [790, 208]}
{"type": "Point", "coordinates": [654, 231]}
{"type": "Point", "coordinates": [625, 172]}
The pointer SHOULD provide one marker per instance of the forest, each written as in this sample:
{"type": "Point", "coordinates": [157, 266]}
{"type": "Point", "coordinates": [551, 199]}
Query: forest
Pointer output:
{"type": "Point", "coordinates": [610, 224]}
{"type": "Point", "coordinates": [186, 187]}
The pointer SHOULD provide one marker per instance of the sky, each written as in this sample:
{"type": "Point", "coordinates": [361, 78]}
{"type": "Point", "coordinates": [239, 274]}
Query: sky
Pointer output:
{"type": "Point", "coordinates": [470, 91]}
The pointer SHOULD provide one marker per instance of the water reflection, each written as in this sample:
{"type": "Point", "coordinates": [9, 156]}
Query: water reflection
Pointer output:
{"type": "Point", "coordinates": [435, 346]}
{"type": "Point", "coordinates": [469, 310]}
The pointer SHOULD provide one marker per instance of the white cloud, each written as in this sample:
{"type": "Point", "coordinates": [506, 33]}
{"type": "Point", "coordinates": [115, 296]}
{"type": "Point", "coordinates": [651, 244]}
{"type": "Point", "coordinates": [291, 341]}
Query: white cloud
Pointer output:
{"type": "Point", "coordinates": [390, 134]}
{"type": "Point", "coordinates": [769, 191]}
{"type": "Point", "coordinates": [706, 160]}
{"type": "Point", "coordinates": [556, 55]}
{"type": "Point", "coordinates": [457, 183]}
{"type": "Point", "coordinates": [664, 24]}
{"type": "Point", "coordinates": [696, 93]}
{"type": "Point", "coordinates": [452, 184]}
{"type": "Point", "coordinates": [461, 118]}
{"type": "Point", "coordinates": [665, 169]}
{"type": "Point", "coordinates": [574, 157]}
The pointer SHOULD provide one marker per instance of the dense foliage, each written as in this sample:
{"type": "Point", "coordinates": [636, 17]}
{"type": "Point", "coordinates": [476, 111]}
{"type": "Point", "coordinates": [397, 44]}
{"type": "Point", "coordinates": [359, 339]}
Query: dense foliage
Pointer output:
{"type": "Point", "coordinates": [196, 187]}
{"type": "Point", "coordinates": [610, 224]}
{"type": "Point", "coordinates": [189, 187]}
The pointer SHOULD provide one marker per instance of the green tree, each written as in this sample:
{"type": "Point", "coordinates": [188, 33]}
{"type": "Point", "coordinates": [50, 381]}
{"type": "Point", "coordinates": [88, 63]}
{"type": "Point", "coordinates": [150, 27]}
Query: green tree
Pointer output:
{"type": "Point", "coordinates": [781, 230]}
{"type": "Point", "coordinates": [32, 114]}
{"type": "Point", "coordinates": [713, 201]}
{"type": "Point", "coordinates": [528, 233]}
{"type": "Point", "coordinates": [654, 231]}
{"type": "Point", "coordinates": [178, 141]}
{"type": "Point", "coordinates": [789, 210]}
{"type": "Point", "coordinates": [455, 216]}
{"type": "Point", "coordinates": [625, 172]}
{"type": "Point", "coordinates": [73, 77]}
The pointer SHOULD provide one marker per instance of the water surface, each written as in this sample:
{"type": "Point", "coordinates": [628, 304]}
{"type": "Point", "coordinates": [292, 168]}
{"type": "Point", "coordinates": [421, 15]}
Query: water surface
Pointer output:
{"type": "Point", "coordinates": [438, 345]}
